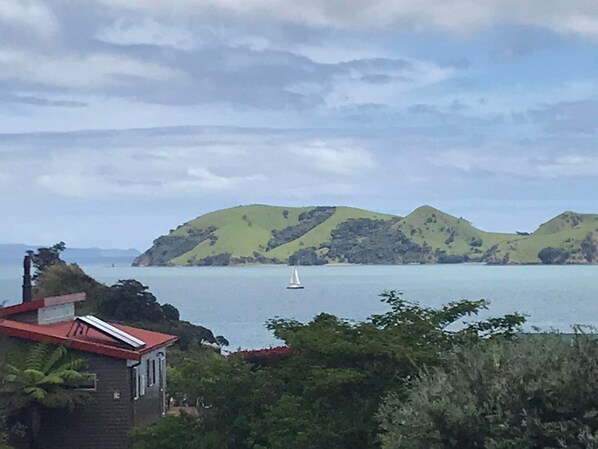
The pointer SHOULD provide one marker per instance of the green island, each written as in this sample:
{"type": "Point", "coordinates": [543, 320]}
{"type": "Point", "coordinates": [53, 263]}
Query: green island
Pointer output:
{"type": "Point", "coordinates": [261, 234]}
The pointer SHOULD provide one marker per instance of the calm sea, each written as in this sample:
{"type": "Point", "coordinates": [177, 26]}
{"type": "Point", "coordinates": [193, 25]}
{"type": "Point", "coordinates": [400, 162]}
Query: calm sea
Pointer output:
{"type": "Point", "coordinates": [236, 302]}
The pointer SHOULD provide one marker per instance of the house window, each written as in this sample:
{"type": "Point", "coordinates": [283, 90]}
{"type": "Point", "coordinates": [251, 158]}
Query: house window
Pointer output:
{"type": "Point", "coordinates": [153, 371]}
{"type": "Point", "coordinates": [138, 383]}
{"type": "Point", "coordinates": [135, 383]}
{"type": "Point", "coordinates": [142, 384]}
{"type": "Point", "coordinates": [148, 374]}
{"type": "Point", "coordinates": [87, 384]}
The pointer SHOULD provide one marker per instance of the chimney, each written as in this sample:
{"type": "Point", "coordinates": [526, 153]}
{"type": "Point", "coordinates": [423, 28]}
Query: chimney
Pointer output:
{"type": "Point", "coordinates": [27, 294]}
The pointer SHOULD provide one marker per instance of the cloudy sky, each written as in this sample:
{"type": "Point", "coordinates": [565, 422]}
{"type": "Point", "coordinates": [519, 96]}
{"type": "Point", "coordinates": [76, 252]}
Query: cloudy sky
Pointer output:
{"type": "Point", "coordinates": [120, 119]}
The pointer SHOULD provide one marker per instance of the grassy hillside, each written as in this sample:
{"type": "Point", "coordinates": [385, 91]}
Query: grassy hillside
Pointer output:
{"type": "Point", "coordinates": [241, 231]}
{"type": "Point", "coordinates": [319, 235]}
{"type": "Point", "coordinates": [323, 232]}
{"type": "Point", "coordinates": [566, 231]}
{"type": "Point", "coordinates": [444, 232]}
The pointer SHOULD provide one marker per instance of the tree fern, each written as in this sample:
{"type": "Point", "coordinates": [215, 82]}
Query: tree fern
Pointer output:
{"type": "Point", "coordinates": [44, 379]}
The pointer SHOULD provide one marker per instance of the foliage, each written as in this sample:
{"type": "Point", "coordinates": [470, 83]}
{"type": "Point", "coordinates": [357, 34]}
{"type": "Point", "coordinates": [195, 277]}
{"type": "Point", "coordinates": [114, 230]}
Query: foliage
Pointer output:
{"type": "Point", "coordinates": [374, 242]}
{"type": "Point", "coordinates": [129, 300]}
{"type": "Point", "coordinates": [228, 392]}
{"type": "Point", "coordinates": [307, 256]}
{"type": "Point", "coordinates": [553, 255]}
{"type": "Point", "coordinates": [167, 247]}
{"type": "Point", "coordinates": [589, 249]}
{"type": "Point", "coordinates": [64, 279]}
{"type": "Point", "coordinates": [323, 390]}
{"type": "Point", "coordinates": [170, 312]}
{"type": "Point", "coordinates": [181, 432]}
{"type": "Point", "coordinates": [535, 393]}
{"type": "Point", "coordinates": [46, 257]}
{"type": "Point", "coordinates": [307, 221]}
{"type": "Point", "coordinates": [45, 378]}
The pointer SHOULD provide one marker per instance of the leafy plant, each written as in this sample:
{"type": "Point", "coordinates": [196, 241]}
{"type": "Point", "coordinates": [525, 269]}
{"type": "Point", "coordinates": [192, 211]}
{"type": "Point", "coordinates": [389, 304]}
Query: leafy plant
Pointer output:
{"type": "Point", "coordinates": [535, 393]}
{"type": "Point", "coordinates": [324, 388]}
{"type": "Point", "coordinates": [45, 378]}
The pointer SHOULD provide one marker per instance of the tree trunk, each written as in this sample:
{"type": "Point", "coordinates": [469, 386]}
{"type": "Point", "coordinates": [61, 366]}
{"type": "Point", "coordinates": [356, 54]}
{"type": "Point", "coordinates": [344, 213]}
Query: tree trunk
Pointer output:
{"type": "Point", "coordinates": [35, 424]}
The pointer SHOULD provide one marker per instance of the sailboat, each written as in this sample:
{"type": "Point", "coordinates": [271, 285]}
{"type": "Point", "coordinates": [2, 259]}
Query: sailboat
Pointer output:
{"type": "Point", "coordinates": [295, 284]}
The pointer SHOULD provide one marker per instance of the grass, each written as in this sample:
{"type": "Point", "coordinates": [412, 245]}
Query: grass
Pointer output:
{"type": "Point", "coordinates": [430, 225]}
{"type": "Point", "coordinates": [559, 232]}
{"type": "Point", "coordinates": [245, 230]}
{"type": "Point", "coordinates": [241, 230]}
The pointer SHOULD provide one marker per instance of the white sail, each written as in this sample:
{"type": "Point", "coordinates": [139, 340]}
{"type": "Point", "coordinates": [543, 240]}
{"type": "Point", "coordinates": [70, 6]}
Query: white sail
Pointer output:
{"type": "Point", "coordinates": [295, 284]}
{"type": "Point", "coordinates": [295, 277]}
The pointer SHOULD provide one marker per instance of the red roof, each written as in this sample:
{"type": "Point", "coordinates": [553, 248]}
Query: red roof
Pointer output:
{"type": "Point", "coordinates": [93, 341]}
{"type": "Point", "coordinates": [41, 302]}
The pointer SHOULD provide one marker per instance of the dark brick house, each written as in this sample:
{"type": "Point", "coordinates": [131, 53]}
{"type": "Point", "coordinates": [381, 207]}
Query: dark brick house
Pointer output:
{"type": "Point", "coordinates": [128, 366]}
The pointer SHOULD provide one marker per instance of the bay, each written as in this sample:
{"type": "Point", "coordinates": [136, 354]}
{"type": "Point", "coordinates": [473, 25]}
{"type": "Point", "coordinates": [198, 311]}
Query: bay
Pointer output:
{"type": "Point", "coordinates": [236, 301]}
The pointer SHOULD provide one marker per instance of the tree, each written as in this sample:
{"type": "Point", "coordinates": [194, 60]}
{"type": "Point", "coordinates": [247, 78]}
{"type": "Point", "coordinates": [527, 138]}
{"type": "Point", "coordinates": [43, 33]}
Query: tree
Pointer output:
{"type": "Point", "coordinates": [43, 379]}
{"type": "Point", "coordinates": [45, 257]}
{"type": "Point", "coordinates": [551, 255]}
{"type": "Point", "coordinates": [170, 312]}
{"type": "Point", "coordinates": [535, 393]}
{"type": "Point", "coordinates": [64, 279]}
{"type": "Point", "coordinates": [130, 300]}
{"type": "Point", "coordinates": [341, 370]}
{"type": "Point", "coordinates": [325, 390]}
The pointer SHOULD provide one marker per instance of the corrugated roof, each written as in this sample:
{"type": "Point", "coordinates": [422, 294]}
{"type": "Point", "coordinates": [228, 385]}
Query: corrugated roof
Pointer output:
{"type": "Point", "coordinates": [92, 341]}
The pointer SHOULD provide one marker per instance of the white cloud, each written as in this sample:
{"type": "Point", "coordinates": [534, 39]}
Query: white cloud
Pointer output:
{"type": "Point", "coordinates": [458, 16]}
{"type": "Point", "coordinates": [331, 159]}
{"type": "Point", "coordinates": [205, 179]}
{"type": "Point", "coordinates": [521, 163]}
{"type": "Point", "coordinates": [355, 89]}
{"type": "Point", "coordinates": [98, 69]}
{"type": "Point", "coordinates": [32, 14]}
{"type": "Point", "coordinates": [146, 31]}
{"type": "Point", "coordinates": [132, 172]}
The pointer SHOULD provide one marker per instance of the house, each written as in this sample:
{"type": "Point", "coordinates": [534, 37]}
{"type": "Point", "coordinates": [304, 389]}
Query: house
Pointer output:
{"type": "Point", "coordinates": [128, 367]}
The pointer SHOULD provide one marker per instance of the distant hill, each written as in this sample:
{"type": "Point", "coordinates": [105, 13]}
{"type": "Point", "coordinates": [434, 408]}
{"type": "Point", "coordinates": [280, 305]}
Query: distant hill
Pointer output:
{"type": "Point", "coordinates": [259, 234]}
{"type": "Point", "coordinates": [13, 254]}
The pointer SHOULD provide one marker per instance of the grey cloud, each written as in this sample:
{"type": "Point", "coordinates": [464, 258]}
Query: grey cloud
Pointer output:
{"type": "Point", "coordinates": [220, 65]}
{"type": "Point", "coordinates": [456, 16]}
{"type": "Point", "coordinates": [378, 65]}
{"type": "Point", "coordinates": [575, 117]}
{"type": "Point", "coordinates": [517, 42]}
{"type": "Point", "coordinates": [39, 101]}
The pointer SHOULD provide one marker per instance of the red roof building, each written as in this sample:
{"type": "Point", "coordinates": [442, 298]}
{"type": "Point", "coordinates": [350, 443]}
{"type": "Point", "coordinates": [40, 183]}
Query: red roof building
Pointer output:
{"type": "Point", "coordinates": [128, 366]}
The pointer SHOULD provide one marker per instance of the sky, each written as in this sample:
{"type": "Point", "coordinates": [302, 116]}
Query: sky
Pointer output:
{"type": "Point", "coordinates": [121, 119]}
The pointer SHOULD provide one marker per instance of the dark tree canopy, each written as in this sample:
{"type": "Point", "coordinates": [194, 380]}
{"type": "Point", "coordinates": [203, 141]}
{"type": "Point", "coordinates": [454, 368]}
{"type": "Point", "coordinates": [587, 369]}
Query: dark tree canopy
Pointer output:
{"type": "Point", "coordinates": [45, 257]}
{"type": "Point", "coordinates": [130, 300]}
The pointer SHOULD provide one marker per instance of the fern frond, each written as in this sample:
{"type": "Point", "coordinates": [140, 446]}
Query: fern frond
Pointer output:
{"type": "Point", "coordinates": [56, 356]}
{"type": "Point", "coordinates": [36, 393]}
{"type": "Point", "coordinates": [36, 357]}
{"type": "Point", "coordinates": [33, 376]}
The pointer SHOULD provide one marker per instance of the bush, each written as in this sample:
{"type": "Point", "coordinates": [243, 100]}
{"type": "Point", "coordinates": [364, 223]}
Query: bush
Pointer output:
{"type": "Point", "coordinates": [307, 221]}
{"type": "Point", "coordinates": [536, 393]}
{"type": "Point", "coordinates": [553, 255]}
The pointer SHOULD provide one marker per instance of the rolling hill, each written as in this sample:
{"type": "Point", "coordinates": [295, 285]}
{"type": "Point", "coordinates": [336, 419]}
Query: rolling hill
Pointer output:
{"type": "Point", "coordinates": [259, 234]}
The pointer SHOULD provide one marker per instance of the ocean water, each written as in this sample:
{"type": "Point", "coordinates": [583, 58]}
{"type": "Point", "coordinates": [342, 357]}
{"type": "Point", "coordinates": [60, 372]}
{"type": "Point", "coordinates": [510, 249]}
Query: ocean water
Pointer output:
{"type": "Point", "coordinates": [236, 301]}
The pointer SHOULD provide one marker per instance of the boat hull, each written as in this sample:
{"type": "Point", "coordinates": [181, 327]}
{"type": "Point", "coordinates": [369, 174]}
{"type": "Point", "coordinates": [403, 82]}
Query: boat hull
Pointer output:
{"type": "Point", "coordinates": [295, 287]}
